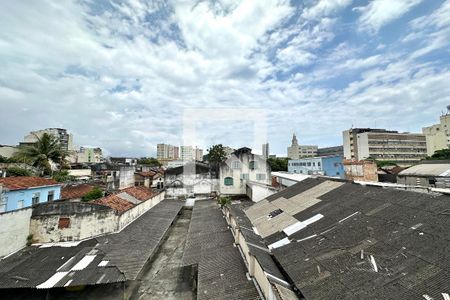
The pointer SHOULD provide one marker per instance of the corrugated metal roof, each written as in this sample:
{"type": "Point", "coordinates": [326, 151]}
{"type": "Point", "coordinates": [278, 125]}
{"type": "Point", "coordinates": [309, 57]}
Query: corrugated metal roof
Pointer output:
{"type": "Point", "coordinates": [371, 243]}
{"type": "Point", "coordinates": [427, 170]}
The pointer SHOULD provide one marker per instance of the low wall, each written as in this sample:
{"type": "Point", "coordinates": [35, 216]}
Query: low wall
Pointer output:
{"type": "Point", "coordinates": [14, 230]}
{"type": "Point", "coordinates": [135, 212]}
{"type": "Point", "coordinates": [47, 229]}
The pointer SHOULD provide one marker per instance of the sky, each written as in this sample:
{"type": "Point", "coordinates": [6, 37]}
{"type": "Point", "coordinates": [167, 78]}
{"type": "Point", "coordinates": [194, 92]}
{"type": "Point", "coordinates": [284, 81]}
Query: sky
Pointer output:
{"type": "Point", "coordinates": [126, 75]}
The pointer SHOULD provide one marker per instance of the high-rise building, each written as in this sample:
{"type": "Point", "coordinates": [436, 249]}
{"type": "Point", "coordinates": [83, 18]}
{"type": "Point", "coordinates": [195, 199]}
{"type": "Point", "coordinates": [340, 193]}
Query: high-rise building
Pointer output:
{"type": "Point", "coordinates": [296, 151]}
{"type": "Point", "coordinates": [402, 148]}
{"type": "Point", "coordinates": [64, 138]}
{"type": "Point", "coordinates": [265, 150]}
{"type": "Point", "coordinates": [438, 135]}
{"type": "Point", "coordinates": [198, 154]}
{"type": "Point", "coordinates": [166, 151]}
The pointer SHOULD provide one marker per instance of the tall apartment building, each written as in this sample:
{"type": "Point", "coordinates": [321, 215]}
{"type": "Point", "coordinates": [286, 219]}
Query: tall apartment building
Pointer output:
{"type": "Point", "coordinates": [166, 151]}
{"type": "Point", "coordinates": [265, 151]}
{"type": "Point", "coordinates": [402, 148]}
{"type": "Point", "coordinates": [296, 151]}
{"type": "Point", "coordinates": [198, 154]}
{"type": "Point", "coordinates": [65, 139]}
{"type": "Point", "coordinates": [438, 135]}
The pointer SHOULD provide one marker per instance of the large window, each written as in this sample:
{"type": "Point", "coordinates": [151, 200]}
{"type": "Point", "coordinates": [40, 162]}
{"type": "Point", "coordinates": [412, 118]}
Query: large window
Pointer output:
{"type": "Point", "coordinates": [236, 164]}
{"type": "Point", "coordinates": [35, 198]}
{"type": "Point", "coordinates": [244, 176]}
{"type": "Point", "coordinates": [51, 195]}
{"type": "Point", "coordinates": [228, 181]}
{"type": "Point", "coordinates": [253, 165]}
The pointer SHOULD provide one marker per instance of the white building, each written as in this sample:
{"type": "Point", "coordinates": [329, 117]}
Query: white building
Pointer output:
{"type": "Point", "coordinates": [242, 167]}
{"type": "Point", "coordinates": [438, 135]}
{"type": "Point", "coordinates": [402, 148]}
{"type": "Point", "coordinates": [7, 151]}
{"type": "Point", "coordinates": [296, 151]}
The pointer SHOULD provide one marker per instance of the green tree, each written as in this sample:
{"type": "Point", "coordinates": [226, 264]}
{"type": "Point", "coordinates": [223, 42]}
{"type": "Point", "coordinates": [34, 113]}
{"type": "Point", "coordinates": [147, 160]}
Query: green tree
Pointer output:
{"type": "Point", "coordinates": [16, 171]}
{"type": "Point", "coordinates": [440, 155]}
{"type": "Point", "coordinates": [216, 155]}
{"type": "Point", "coordinates": [151, 161]}
{"type": "Point", "coordinates": [278, 164]}
{"type": "Point", "coordinates": [95, 193]}
{"type": "Point", "coordinates": [46, 150]}
{"type": "Point", "coordinates": [62, 176]}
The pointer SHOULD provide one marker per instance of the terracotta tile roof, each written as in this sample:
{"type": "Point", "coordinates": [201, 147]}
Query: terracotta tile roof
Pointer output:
{"type": "Point", "coordinates": [74, 192]}
{"type": "Point", "coordinates": [140, 192]}
{"type": "Point", "coordinates": [115, 203]}
{"type": "Point", "coordinates": [26, 182]}
{"type": "Point", "coordinates": [146, 174]}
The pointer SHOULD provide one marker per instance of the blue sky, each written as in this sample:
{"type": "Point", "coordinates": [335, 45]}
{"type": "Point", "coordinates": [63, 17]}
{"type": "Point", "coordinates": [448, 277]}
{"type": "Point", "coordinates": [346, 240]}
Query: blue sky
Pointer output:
{"type": "Point", "coordinates": [119, 74]}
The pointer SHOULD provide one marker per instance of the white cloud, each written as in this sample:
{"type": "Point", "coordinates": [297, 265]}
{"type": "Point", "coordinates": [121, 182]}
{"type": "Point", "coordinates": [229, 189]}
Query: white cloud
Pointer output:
{"type": "Point", "coordinates": [378, 13]}
{"type": "Point", "coordinates": [325, 8]}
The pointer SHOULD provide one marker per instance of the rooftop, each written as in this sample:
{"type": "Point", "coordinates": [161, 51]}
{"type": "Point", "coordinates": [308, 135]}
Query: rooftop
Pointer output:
{"type": "Point", "coordinates": [111, 258]}
{"type": "Point", "coordinates": [336, 239]}
{"type": "Point", "coordinates": [221, 270]}
{"type": "Point", "coordinates": [26, 182]}
{"type": "Point", "coordinates": [431, 169]}
{"type": "Point", "coordinates": [127, 198]}
{"type": "Point", "coordinates": [75, 191]}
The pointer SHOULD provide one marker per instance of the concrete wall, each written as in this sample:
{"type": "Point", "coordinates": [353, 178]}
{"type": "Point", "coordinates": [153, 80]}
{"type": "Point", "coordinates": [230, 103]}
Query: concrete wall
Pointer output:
{"type": "Point", "coordinates": [133, 213]}
{"type": "Point", "coordinates": [126, 177]}
{"type": "Point", "coordinates": [87, 224]}
{"type": "Point", "coordinates": [45, 228]}
{"type": "Point", "coordinates": [7, 151]}
{"type": "Point", "coordinates": [259, 192]}
{"type": "Point", "coordinates": [80, 172]}
{"type": "Point", "coordinates": [14, 229]}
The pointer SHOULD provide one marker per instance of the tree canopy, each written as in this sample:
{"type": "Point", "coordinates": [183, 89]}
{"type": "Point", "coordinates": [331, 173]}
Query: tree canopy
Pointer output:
{"type": "Point", "coordinates": [16, 171]}
{"type": "Point", "coordinates": [278, 164]}
{"type": "Point", "coordinates": [149, 161]}
{"type": "Point", "coordinates": [440, 155]}
{"type": "Point", "coordinates": [216, 154]}
{"type": "Point", "coordinates": [46, 150]}
{"type": "Point", "coordinates": [95, 193]}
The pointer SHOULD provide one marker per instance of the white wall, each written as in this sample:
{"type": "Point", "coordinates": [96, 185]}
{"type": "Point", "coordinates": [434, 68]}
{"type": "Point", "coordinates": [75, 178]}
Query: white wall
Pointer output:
{"type": "Point", "coordinates": [133, 213]}
{"type": "Point", "coordinates": [259, 192]}
{"type": "Point", "coordinates": [84, 225]}
{"type": "Point", "coordinates": [14, 230]}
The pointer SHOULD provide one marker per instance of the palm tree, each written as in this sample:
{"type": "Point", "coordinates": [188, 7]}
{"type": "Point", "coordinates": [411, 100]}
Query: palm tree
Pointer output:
{"type": "Point", "coordinates": [46, 150]}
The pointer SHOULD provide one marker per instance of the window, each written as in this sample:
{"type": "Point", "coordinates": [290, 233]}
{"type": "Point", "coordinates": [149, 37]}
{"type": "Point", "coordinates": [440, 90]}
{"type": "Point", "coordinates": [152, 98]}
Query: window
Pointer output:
{"type": "Point", "coordinates": [35, 198]}
{"type": "Point", "coordinates": [20, 204]}
{"type": "Point", "coordinates": [260, 176]}
{"type": "Point", "coordinates": [253, 165]}
{"type": "Point", "coordinates": [51, 195]}
{"type": "Point", "coordinates": [309, 164]}
{"type": "Point", "coordinates": [318, 163]}
{"type": "Point", "coordinates": [244, 176]}
{"type": "Point", "coordinates": [236, 164]}
{"type": "Point", "coordinates": [64, 223]}
{"type": "Point", "coordinates": [228, 181]}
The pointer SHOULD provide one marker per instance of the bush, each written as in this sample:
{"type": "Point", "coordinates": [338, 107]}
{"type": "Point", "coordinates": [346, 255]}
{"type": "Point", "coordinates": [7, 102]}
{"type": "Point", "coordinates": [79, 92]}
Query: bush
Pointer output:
{"type": "Point", "coordinates": [16, 171]}
{"type": "Point", "coordinates": [223, 201]}
{"type": "Point", "coordinates": [29, 240]}
{"type": "Point", "coordinates": [95, 193]}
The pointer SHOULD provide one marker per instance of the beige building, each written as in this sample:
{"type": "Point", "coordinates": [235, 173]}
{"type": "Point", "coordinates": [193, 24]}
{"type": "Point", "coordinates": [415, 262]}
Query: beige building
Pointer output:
{"type": "Point", "coordinates": [166, 152]}
{"type": "Point", "coordinates": [438, 135]}
{"type": "Point", "coordinates": [64, 138]}
{"type": "Point", "coordinates": [296, 151]}
{"type": "Point", "coordinates": [7, 151]}
{"type": "Point", "coordinates": [405, 149]}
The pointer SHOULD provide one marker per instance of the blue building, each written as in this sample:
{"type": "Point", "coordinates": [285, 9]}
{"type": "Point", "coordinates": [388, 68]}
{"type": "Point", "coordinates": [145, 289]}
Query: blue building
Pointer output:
{"type": "Point", "coordinates": [327, 165]}
{"type": "Point", "coordinates": [20, 192]}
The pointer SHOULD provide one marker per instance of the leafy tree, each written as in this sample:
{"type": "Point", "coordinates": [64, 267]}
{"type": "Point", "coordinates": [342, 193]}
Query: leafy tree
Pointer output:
{"type": "Point", "coordinates": [149, 161]}
{"type": "Point", "coordinates": [278, 164]}
{"type": "Point", "coordinates": [3, 159]}
{"type": "Point", "coordinates": [216, 155]}
{"type": "Point", "coordinates": [440, 155]}
{"type": "Point", "coordinates": [8, 160]}
{"type": "Point", "coordinates": [46, 150]}
{"type": "Point", "coordinates": [16, 171]}
{"type": "Point", "coordinates": [95, 193]}
{"type": "Point", "coordinates": [62, 176]}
